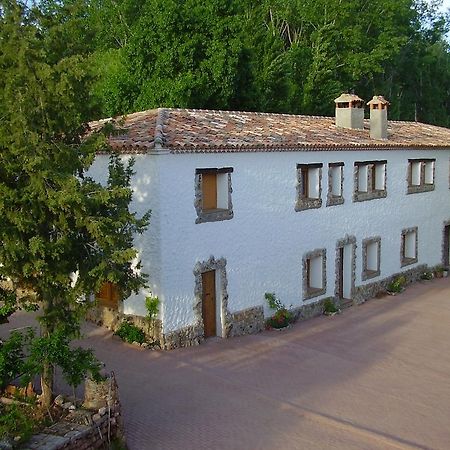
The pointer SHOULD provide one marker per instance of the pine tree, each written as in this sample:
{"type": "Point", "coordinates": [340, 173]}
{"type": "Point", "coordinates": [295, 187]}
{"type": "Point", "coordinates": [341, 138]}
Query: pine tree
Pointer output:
{"type": "Point", "coordinates": [62, 233]}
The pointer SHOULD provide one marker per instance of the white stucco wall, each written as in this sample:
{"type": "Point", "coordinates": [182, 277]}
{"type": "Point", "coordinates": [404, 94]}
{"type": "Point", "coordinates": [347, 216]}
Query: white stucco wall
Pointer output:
{"type": "Point", "coordinates": [146, 186]}
{"type": "Point", "coordinates": [265, 241]}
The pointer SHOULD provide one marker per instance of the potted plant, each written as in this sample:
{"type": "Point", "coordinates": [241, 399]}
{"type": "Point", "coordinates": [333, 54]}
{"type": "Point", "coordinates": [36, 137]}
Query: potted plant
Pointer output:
{"type": "Point", "coordinates": [439, 272]}
{"type": "Point", "coordinates": [282, 317]}
{"type": "Point", "coordinates": [397, 286]}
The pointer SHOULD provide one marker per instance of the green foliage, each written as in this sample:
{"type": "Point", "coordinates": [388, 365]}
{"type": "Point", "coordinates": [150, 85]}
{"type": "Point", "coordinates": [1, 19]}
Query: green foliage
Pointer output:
{"type": "Point", "coordinates": [427, 275]}
{"type": "Point", "coordinates": [63, 234]}
{"type": "Point", "coordinates": [17, 421]}
{"type": "Point", "coordinates": [14, 363]}
{"type": "Point", "coordinates": [397, 285]}
{"type": "Point", "coordinates": [282, 317]}
{"type": "Point", "coordinates": [152, 306]}
{"type": "Point", "coordinates": [273, 55]}
{"type": "Point", "coordinates": [329, 307]}
{"type": "Point", "coordinates": [23, 355]}
{"type": "Point", "coordinates": [129, 332]}
{"type": "Point", "coordinates": [55, 349]}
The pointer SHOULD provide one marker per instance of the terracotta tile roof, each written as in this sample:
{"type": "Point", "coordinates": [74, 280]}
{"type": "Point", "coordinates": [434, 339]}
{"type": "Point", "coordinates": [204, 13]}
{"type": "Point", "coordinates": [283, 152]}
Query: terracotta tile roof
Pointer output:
{"type": "Point", "coordinates": [199, 131]}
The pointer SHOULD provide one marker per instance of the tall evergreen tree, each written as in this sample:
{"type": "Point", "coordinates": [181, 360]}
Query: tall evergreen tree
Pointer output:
{"type": "Point", "coordinates": [62, 233]}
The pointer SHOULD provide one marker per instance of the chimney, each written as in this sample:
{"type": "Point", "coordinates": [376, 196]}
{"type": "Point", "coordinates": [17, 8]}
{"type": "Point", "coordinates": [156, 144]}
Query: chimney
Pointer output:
{"type": "Point", "coordinates": [378, 117]}
{"type": "Point", "coordinates": [349, 111]}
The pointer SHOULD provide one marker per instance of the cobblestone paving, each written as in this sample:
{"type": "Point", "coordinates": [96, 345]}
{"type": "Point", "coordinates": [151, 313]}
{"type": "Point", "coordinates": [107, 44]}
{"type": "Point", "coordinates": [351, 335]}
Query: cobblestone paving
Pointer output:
{"type": "Point", "coordinates": [375, 377]}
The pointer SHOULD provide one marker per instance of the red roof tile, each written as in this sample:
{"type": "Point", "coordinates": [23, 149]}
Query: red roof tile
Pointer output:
{"type": "Point", "coordinates": [200, 131]}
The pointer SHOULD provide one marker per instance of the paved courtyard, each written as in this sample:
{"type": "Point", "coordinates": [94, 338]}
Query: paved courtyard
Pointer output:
{"type": "Point", "coordinates": [375, 377]}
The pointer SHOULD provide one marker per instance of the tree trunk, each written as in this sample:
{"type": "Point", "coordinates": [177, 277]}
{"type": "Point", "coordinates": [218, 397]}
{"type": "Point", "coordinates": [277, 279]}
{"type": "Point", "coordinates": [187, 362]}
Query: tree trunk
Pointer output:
{"type": "Point", "coordinates": [47, 385]}
{"type": "Point", "coordinates": [47, 372]}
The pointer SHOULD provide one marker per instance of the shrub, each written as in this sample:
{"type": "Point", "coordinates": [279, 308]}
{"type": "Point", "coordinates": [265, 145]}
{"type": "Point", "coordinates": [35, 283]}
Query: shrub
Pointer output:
{"type": "Point", "coordinates": [397, 285]}
{"type": "Point", "coordinates": [329, 307]}
{"type": "Point", "coordinates": [152, 305]}
{"type": "Point", "coordinates": [427, 275]}
{"type": "Point", "coordinates": [130, 333]}
{"type": "Point", "coordinates": [18, 421]}
{"type": "Point", "coordinates": [282, 317]}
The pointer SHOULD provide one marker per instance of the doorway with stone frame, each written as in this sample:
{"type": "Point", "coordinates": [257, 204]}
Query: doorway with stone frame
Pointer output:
{"type": "Point", "coordinates": [345, 271]}
{"type": "Point", "coordinates": [211, 297]}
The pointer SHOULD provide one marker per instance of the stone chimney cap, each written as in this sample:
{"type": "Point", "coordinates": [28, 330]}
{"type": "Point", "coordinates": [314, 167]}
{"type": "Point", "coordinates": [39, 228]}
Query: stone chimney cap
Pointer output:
{"type": "Point", "coordinates": [378, 100]}
{"type": "Point", "coordinates": [348, 98]}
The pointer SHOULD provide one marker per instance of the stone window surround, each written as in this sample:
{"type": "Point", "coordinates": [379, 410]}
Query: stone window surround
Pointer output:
{"type": "Point", "coordinates": [371, 194]}
{"type": "Point", "coordinates": [333, 200]}
{"type": "Point", "coordinates": [368, 274]}
{"type": "Point", "coordinates": [219, 265]}
{"type": "Point", "coordinates": [308, 292]}
{"type": "Point", "coordinates": [408, 261]}
{"type": "Point", "coordinates": [348, 240]}
{"type": "Point", "coordinates": [302, 203]}
{"type": "Point", "coordinates": [217, 214]}
{"type": "Point", "coordinates": [422, 187]}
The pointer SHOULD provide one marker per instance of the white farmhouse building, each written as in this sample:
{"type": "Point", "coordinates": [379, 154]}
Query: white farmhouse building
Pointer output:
{"type": "Point", "coordinates": [246, 203]}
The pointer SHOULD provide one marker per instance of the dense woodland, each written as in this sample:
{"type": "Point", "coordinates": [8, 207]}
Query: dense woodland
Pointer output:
{"type": "Point", "coordinates": [292, 56]}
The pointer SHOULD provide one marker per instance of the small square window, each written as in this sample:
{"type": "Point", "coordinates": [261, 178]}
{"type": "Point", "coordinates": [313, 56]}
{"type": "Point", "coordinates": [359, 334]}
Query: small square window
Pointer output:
{"type": "Point", "coordinates": [335, 184]}
{"type": "Point", "coordinates": [108, 295]}
{"type": "Point", "coordinates": [213, 194]}
{"type": "Point", "coordinates": [370, 180]}
{"type": "Point", "coordinates": [420, 175]}
{"type": "Point", "coordinates": [409, 246]}
{"type": "Point", "coordinates": [314, 273]}
{"type": "Point", "coordinates": [371, 253]}
{"type": "Point", "coordinates": [309, 186]}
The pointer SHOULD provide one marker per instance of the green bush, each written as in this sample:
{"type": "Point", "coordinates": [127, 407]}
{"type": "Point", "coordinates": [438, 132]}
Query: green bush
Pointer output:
{"type": "Point", "coordinates": [427, 275]}
{"type": "Point", "coordinates": [282, 317]}
{"type": "Point", "coordinates": [152, 305]}
{"type": "Point", "coordinates": [329, 307]}
{"type": "Point", "coordinates": [130, 333]}
{"type": "Point", "coordinates": [397, 285]}
{"type": "Point", "coordinates": [17, 421]}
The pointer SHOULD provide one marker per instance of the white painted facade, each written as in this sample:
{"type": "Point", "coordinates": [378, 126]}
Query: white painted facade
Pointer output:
{"type": "Point", "coordinates": [264, 242]}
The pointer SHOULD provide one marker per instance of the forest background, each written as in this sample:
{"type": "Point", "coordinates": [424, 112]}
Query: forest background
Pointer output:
{"type": "Point", "coordinates": [289, 56]}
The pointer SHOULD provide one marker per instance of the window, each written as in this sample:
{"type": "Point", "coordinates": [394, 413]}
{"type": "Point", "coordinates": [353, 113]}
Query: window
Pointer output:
{"type": "Point", "coordinates": [335, 184]}
{"type": "Point", "coordinates": [371, 253]}
{"type": "Point", "coordinates": [108, 295]}
{"type": "Point", "coordinates": [309, 186]}
{"type": "Point", "coordinates": [420, 175]}
{"type": "Point", "coordinates": [408, 250]}
{"type": "Point", "coordinates": [370, 180]}
{"type": "Point", "coordinates": [314, 273]}
{"type": "Point", "coordinates": [213, 194]}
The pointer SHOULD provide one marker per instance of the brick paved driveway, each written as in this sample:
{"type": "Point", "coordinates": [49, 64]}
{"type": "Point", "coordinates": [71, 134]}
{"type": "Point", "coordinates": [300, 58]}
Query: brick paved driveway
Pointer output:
{"type": "Point", "coordinates": [375, 377]}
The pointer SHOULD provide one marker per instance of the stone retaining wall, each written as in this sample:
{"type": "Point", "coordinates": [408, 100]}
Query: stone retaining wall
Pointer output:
{"type": "Point", "coordinates": [111, 319]}
{"type": "Point", "coordinates": [92, 427]}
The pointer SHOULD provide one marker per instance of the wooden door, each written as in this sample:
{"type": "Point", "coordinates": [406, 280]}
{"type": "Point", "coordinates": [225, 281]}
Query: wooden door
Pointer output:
{"type": "Point", "coordinates": [209, 303]}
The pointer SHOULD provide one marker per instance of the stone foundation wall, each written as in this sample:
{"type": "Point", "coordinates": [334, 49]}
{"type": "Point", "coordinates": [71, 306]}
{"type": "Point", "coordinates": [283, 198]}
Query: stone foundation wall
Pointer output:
{"type": "Point", "coordinates": [370, 290]}
{"type": "Point", "coordinates": [111, 319]}
{"type": "Point", "coordinates": [184, 337]}
{"type": "Point", "coordinates": [248, 321]}
{"type": "Point", "coordinates": [308, 311]}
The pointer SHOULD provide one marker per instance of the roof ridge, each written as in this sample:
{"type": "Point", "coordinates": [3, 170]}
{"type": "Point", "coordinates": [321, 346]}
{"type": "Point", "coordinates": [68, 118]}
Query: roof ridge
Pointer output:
{"type": "Point", "coordinates": [161, 118]}
{"type": "Point", "coordinates": [259, 113]}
